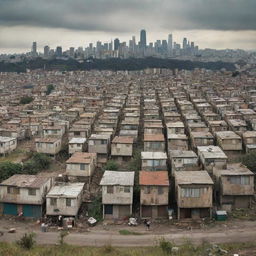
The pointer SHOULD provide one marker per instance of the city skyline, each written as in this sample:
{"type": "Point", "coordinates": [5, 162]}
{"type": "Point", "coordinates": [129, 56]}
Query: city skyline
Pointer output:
{"type": "Point", "coordinates": [210, 24]}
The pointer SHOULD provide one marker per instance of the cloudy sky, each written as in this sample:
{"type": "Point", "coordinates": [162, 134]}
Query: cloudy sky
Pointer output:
{"type": "Point", "coordinates": [210, 23]}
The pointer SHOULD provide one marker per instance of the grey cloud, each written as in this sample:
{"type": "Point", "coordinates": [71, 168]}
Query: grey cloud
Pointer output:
{"type": "Point", "coordinates": [130, 15]}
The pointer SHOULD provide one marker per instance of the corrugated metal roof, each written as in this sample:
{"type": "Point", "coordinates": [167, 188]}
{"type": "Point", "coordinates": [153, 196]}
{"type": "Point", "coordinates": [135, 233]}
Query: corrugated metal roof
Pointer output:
{"type": "Point", "coordinates": [77, 140]}
{"type": "Point", "coordinates": [81, 157]}
{"type": "Point", "coordinates": [192, 177]}
{"type": "Point", "coordinates": [153, 155]}
{"type": "Point", "coordinates": [25, 181]}
{"type": "Point", "coordinates": [71, 190]}
{"type": "Point", "coordinates": [117, 178]}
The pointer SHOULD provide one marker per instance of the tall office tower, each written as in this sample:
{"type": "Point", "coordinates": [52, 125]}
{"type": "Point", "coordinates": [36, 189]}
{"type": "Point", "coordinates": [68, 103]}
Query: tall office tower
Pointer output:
{"type": "Point", "coordinates": [143, 39]}
{"type": "Point", "coordinates": [170, 43]}
{"type": "Point", "coordinates": [58, 52]}
{"type": "Point", "coordinates": [184, 45]}
{"type": "Point", "coordinates": [46, 51]}
{"type": "Point", "coordinates": [110, 46]}
{"type": "Point", "coordinates": [116, 44]}
{"type": "Point", "coordinates": [34, 49]}
{"type": "Point", "coordinates": [164, 47]}
{"type": "Point", "coordinates": [105, 46]}
{"type": "Point", "coordinates": [130, 45]}
{"type": "Point", "coordinates": [72, 51]}
{"type": "Point", "coordinates": [98, 46]}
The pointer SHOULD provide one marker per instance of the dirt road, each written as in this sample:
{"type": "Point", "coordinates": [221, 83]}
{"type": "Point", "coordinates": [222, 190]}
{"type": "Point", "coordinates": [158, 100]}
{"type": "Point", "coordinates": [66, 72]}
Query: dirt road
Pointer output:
{"type": "Point", "coordinates": [100, 238]}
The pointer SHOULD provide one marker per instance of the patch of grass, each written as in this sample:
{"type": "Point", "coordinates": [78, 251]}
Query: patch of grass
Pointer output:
{"type": "Point", "coordinates": [186, 249]}
{"type": "Point", "coordinates": [126, 232]}
{"type": "Point", "coordinates": [244, 214]}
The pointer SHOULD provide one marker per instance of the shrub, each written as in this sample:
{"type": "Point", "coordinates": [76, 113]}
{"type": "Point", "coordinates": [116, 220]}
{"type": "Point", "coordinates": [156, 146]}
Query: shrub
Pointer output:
{"type": "Point", "coordinates": [165, 245]}
{"type": "Point", "coordinates": [42, 161]}
{"type": "Point", "coordinates": [111, 165]}
{"type": "Point", "coordinates": [95, 209]}
{"type": "Point", "coordinates": [26, 100]}
{"type": "Point", "coordinates": [7, 169]}
{"type": "Point", "coordinates": [249, 160]}
{"type": "Point", "coordinates": [50, 88]}
{"type": "Point", "coordinates": [108, 248]}
{"type": "Point", "coordinates": [37, 163]}
{"type": "Point", "coordinates": [27, 241]}
{"type": "Point", "coordinates": [62, 235]}
{"type": "Point", "coordinates": [30, 167]}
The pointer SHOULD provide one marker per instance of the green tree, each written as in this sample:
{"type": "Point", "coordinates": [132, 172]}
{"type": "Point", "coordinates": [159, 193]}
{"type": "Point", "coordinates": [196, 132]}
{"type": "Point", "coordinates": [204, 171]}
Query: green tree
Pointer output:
{"type": "Point", "coordinates": [111, 165]}
{"type": "Point", "coordinates": [249, 160]}
{"type": "Point", "coordinates": [7, 169]}
{"type": "Point", "coordinates": [27, 241]}
{"type": "Point", "coordinates": [26, 100]}
{"type": "Point", "coordinates": [50, 88]}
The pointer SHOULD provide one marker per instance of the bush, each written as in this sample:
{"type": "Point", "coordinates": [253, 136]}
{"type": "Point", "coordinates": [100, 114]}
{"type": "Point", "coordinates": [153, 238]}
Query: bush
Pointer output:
{"type": "Point", "coordinates": [62, 235]}
{"type": "Point", "coordinates": [95, 209]}
{"type": "Point", "coordinates": [249, 160]}
{"type": "Point", "coordinates": [26, 100]}
{"type": "Point", "coordinates": [27, 241]}
{"type": "Point", "coordinates": [165, 245]}
{"type": "Point", "coordinates": [111, 165]}
{"type": "Point", "coordinates": [50, 88]}
{"type": "Point", "coordinates": [108, 248]}
{"type": "Point", "coordinates": [7, 169]}
{"type": "Point", "coordinates": [37, 163]}
{"type": "Point", "coordinates": [42, 161]}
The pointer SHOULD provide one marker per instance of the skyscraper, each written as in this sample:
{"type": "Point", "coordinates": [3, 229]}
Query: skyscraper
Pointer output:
{"type": "Point", "coordinates": [170, 44]}
{"type": "Point", "coordinates": [58, 51]}
{"type": "Point", "coordinates": [185, 42]}
{"type": "Point", "coordinates": [34, 49]}
{"type": "Point", "coordinates": [164, 47]}
{"type": "Point", "coordinates": [143, 39]}
{"type": "Point", "coordinates": [46, 51]}
{"type": "Point", "coordinates": [116, 44]}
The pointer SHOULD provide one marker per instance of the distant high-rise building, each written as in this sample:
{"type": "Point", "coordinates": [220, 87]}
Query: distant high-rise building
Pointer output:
{"type": "Point", "coordinates": [34, 49]}
{"type": "Point", "coordinates": [170, 44]}
{"type": "Point", "coordinates": [98, 46]}
{"type": "Point", "coordinates": [58, 51]}
{"type": "Point", "coordinates": [185, 42]}
{"type": "Point", "coordinates": [143, 39]}
{"type": "Point", "coordinates": [116, 44]}
{"type": "Point", "coordinates": [46, 51]}
{"type": "Point", "coordinates": [72, 51]}
{"type": "Point", "coordinates": [164, 47]}
{"type": "Point", "coordinates": [110, 46]}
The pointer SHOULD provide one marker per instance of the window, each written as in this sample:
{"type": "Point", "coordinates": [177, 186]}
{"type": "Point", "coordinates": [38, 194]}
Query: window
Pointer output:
{"type": "Point", "coordinates": [126, 189]}
{"type": "Point", "coordinates": [68, 202]}
{"type": "Point", "coordinates": [156, 145]}
{"type": "Point", "coordinates": [82, 167]}
{"type": "Point", "coordinates": [53, 201]}
{"type": "Point", "coordinates": [103, 142]}
{"type": "Point", "coordinates": [240, 180]}
{"type": "Point", "coordinates": [77, 133]}
{"type": "Point", "coordinates": [160, 190]}
{"type": "Point", "coordinates": [147, 190]}
{"type": "Point", "coordinates": [108, 209]}
{"type": "Point", "coordinates": [190, 192]}
{"type": "Point", "coordinates": [110, 189]}
{"type": "Point", "coordinates": [13, 190]}
{"type": "Point", "coordinates": [32, 192]}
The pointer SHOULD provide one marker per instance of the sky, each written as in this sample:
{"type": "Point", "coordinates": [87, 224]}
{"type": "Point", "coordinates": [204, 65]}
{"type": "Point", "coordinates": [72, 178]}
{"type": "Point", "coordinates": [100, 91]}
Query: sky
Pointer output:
{"type": "Point", "coordinates": [216, 24]}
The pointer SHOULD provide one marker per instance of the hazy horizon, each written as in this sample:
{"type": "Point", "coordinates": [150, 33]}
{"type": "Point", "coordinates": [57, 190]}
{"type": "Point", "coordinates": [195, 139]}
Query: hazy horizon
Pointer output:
{"type": "Point", "coordinates": [229, 24]}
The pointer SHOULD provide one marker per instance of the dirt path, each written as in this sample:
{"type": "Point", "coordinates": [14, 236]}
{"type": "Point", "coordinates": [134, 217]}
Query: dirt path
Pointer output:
{"type": "Point", "coordinates": [100, 238]}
